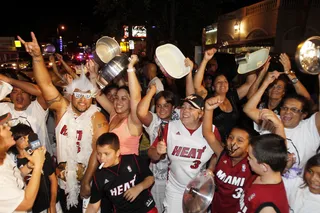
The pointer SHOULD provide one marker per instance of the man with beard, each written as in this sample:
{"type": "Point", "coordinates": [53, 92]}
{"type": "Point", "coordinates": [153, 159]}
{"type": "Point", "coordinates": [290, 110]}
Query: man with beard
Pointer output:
{"type": "Point", "coordinates": [24, 109]}
{"type": "Point", "coordinates": [78, 125]}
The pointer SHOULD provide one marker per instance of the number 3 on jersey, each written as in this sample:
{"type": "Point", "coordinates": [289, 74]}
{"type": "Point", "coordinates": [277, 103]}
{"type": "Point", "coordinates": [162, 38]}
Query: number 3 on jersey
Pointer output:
{"type": "Point", "coordinates": [195, 164]}
{"type": "Point", "coordinates": [237, 193]}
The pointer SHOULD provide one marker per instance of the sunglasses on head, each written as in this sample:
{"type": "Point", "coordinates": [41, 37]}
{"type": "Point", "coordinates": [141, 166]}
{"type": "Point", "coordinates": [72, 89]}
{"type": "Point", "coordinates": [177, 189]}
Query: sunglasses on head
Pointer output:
{"type": "Point", "coordinates": [86, 95]}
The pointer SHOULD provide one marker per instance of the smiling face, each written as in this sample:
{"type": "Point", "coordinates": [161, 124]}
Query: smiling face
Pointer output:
{"type": "Point", "coordinates": [122, 102]}
{"type": "Point", "coordinates": [238, 143]}
{"type": "Point", "coordinates": [20, 99]}
{"type": "Point", "coordinates": [277, 90]}
{"type": "Point", "coordinates": [190, 116]}
{"type": "Point", "coordinates": [107, 155]}
{"type": "Point", "coordinates": [164, 109]}
{"type": "Point", "coordinates": [221, 85]}
{"type": "Point", "coordinates": [80, 101]}
{"type": "Point", "coordinates": [312, 178]}
{"type": "Point", "coordinates": [291, 114]}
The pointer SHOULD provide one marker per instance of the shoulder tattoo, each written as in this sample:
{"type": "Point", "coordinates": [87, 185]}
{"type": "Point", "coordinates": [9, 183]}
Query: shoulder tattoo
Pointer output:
{"type": "Point", "coordinates": [103, 124]}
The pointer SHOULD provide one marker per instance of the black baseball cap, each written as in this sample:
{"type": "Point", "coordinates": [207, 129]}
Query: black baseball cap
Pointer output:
{"type": "Point", "coordinates": [195, 100]}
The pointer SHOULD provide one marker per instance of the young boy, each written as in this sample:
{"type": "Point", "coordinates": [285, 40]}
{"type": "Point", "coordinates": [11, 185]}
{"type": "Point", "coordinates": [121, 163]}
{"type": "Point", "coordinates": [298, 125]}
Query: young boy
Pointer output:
{"type": "Point", "coordinates": [46, 200]}
{"type": "Point", "coordinates": [124, 179]}
{"type": "Point", "coordinates": [230, 164]}
{"type": "Point", "coordinates": [265, 191]}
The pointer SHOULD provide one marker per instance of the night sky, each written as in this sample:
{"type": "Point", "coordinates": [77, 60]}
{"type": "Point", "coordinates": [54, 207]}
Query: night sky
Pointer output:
{"type": "Point", "coordinates": [20, 17]}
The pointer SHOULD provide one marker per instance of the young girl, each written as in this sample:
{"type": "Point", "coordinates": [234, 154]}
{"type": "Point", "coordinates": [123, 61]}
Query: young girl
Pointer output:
{"type": "Point", "coordinates": [230, 164]}
{"type": "Point", "coordinates": [46, 200]}
{"type": "Point", "coordinates": [304, 193]}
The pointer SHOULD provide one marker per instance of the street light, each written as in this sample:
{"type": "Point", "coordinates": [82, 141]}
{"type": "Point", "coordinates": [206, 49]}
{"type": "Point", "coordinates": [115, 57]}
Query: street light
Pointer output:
{"type": "Point", "coordinates": [60, 41]}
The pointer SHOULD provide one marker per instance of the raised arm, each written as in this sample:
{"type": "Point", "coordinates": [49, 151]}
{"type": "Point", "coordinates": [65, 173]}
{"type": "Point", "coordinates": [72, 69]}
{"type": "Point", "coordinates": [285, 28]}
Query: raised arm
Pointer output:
{"type": "Point", "coordinates": [27, 87]}
{"type": "Point", "coordinates": [298, 86]}
{"type": "Point", "coordinates": [100, 97]}
{"type": "Point", "coordinates": [55, 69]}
{"type": "Point", "coordinates": [143, 112]}
{"type": "Point", "coordinates": [255, 86]}
{"type": "Point", "coordinates": [189, 80]}
{"type": "Point", "coordinates": [208, 134]}
{"type": "Point", "coordinates": [244, 88]}
{"type": "Point", "coordinates": [50, 93]}
{"type": "Point", "coordinates": [66, 66]}
{"type": "Point", "coordinates": [250, 108]}
{"type": "Point", "coordinates": [135, 92]}
{"type": "Point", "coordinates": [198, 77]}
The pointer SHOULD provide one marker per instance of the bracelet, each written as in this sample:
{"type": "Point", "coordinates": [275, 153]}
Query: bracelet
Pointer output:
{"type": "Point", "coordinates": [294, 80]}
{"type": "Point", "coordinates": [131, 69]}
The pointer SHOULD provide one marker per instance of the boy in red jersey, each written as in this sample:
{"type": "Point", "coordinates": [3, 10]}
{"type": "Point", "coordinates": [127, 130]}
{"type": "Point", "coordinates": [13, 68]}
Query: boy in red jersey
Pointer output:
{"type": "Point", "coordinates": [265, 191]}
{"type": "Point", "coordinates": [230, 165]}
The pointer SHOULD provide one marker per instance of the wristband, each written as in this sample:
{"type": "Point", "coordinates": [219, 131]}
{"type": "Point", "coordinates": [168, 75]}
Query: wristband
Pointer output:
{"type": "Point", "coordinates": [131, 69]}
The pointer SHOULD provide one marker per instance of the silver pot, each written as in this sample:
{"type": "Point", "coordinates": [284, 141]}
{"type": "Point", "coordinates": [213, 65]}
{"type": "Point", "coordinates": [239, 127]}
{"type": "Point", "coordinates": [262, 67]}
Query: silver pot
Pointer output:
{"type": "Point", "coordinates": [307, 56]}
{"type": "Point", "coordinates": [112, 69]}
{"type": "Point", "coordinates": [106, 49]}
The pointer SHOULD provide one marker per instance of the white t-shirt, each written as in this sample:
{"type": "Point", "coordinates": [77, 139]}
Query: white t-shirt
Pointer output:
{"type": "Point", "coordinates": [303, 141]}
{"type": "Point", "coordinates": [34, 116]}
{"type": "Point", "coordinates": [301, 200]}
{"type": "Point", "coordinates": [11, 186]}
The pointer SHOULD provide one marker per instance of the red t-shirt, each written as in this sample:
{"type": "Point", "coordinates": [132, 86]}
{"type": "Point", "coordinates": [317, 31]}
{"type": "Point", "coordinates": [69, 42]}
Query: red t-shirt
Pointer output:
{"type": "Point", "coordinates": [258, 196]}
{"type": "Point", "coordinates": [230, 181]}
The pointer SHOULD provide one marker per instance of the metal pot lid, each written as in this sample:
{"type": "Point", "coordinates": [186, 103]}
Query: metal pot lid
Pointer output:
{"type": "Point", "coordinates": [198, 193]}
{"type": "Point", "coordinates": [307, 56]}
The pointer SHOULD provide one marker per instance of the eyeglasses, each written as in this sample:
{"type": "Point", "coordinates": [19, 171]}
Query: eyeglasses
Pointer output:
{"type": "Point", "coordinates": [292, 109]}
{"type": "Point", "coordinates": [277, 87]}
{"type": "Point", "coordinates": [78, 95]}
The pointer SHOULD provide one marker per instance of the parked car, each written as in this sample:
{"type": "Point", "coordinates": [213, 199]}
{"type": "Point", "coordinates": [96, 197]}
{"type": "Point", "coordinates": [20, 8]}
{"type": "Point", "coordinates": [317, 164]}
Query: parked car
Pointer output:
{"type": "Point", "coordinates": [16, 64]}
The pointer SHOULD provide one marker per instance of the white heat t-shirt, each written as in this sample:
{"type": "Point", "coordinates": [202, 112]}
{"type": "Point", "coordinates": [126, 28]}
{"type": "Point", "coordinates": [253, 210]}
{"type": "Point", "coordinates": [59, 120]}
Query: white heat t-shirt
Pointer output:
{"type": "Point", "coordinates": [187, 153]}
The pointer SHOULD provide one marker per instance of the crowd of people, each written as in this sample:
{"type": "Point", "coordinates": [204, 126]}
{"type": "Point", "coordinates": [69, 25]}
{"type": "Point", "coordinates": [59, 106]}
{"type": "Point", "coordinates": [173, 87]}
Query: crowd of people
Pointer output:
{"type": "Point", "coordinates": [259, 142]}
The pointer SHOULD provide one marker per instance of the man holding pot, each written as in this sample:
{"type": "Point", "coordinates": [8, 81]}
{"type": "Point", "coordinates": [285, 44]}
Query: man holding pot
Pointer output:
{"type": "Point", "coordinates": [78, 124]}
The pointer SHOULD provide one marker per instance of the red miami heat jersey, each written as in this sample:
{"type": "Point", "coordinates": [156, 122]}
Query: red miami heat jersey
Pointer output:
{"type": "Point", "coordinates": [258, 196]}
{"type": "Point", "coordinates": [230, 181]}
